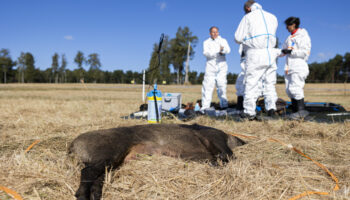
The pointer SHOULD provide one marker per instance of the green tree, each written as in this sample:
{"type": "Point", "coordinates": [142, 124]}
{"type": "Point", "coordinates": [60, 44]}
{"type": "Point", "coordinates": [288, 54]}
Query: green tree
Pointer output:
{"type": "Point", "coordinates": [48, 75]}
{"type": "Point", "coordinates": [178, 49]}
{"type": "Point", "coordinates": [21, 67]}
{"type": "Point", "coordinates": [318, 73]}
{"type": "Point", "coordinates": [107, 77]}
{"type": "Point", "coordinates": [55, 66]}
{"type": "Point", "coordinates": [94, 61]}
{"type": "Point", "coordinates": [280, 79]}
{"type": "Point", "coordinates": [73, 76]}
{"type": "Point", "coordinates": [95, 66]}
{"type": "Point", "coordinates": [165, 61]}
{"type": "Point", "coordinates": [6, 65]}
{"type": "Point", "coordinates": [129, 76]}
{"type": "Point", "coordinates": [39, 76]}
{"type": "Point", "coordinates": [118, 76]}
{"type": "Point", "coordinates": [137, 77]}
{"type": "Point", "coordinates": [162, 72]}
{"type": "Point", "coordinates": [312, 73]}
{"type": "Point", "coordinates": [80, 60]}
{"type": "Point", "coordinates": [334, 66]}
{"type": "Point", "coordinates": [200, 78]}
{"type": "Point", "coordinates": [62, 69]}
{"type": "Point", "coordinates": [231, 78]}
{"type": "Point", "coordinates": [153, 72]}
{"type": "Point", "coordinates": [30, 67]}
{"type": "Point", "coordinates": [192, 77]}
{"type": "Point", "coordinates": [346, 67]}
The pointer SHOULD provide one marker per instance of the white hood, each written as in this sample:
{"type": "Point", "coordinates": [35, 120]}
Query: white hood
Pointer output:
{"type": "Point", "coordinates": [255, 6]}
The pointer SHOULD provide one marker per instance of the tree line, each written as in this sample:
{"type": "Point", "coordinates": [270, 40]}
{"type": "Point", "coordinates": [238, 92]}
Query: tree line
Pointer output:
{"type": "Point", "coordinates": [167, 70]}
{"type": "Point", "coordinates": [335, 70]}
{"type": "Point", "coordinates": [23, 70]}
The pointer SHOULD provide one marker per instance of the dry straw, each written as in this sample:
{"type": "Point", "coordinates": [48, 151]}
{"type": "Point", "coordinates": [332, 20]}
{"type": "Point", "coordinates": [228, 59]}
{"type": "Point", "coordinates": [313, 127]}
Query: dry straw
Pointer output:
{"type": "Point", "coordinates": [56, 114]}
{"type": "Point", "coordinates": [290, 146]}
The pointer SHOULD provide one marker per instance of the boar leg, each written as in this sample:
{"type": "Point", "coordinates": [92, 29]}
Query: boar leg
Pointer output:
{"type": "Point", "coordinates": [89, 174]}
{"type": "Point", "coordinates": [96, 189]}
{"type": "Point", "coordinates": [220, 151]}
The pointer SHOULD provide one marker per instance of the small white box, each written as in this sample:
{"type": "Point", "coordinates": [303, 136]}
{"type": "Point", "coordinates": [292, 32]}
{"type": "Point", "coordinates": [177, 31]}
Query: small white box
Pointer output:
{"type": "Point", "coordinates": [171, 102]}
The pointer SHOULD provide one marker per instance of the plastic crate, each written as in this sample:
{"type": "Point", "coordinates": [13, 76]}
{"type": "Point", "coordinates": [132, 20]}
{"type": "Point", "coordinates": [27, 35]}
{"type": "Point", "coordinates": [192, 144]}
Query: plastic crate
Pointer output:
{"type": "Point", "coordinates": [171, 102]}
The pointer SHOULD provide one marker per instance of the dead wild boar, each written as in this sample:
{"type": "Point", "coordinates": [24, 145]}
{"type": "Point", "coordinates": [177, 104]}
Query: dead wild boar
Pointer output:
{"type": "Point", "coordinates": [102, 149]}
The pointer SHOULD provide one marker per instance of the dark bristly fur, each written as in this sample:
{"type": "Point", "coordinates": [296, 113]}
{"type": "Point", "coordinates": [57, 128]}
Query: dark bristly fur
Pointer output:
{"type": "Point", "coordinates": [102, 149]}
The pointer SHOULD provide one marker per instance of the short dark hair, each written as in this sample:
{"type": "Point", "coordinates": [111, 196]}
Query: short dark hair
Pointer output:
{"type": "Point", "coordinates": [248, 4]}
{"type": "Point", "coordinates": [211, 28]}
{"type": "Point", "coordinates": [293, 20]}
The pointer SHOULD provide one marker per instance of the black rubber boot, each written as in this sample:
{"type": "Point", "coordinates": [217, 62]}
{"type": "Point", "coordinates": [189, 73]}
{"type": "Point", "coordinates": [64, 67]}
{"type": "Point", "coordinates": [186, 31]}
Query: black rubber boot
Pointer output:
{"type": "Point", "coordinates": [300, 105]}
{"type": "Point", "coordinates": [301, 113]}
{"type": "Point", "coordinates": [271, 113]}
{"type": "Point", "coordinates": [245, 116]}
{"type": "Point", "coordinates": [294, 106]}
{"type": "Point", "coordinates": [239, 103]}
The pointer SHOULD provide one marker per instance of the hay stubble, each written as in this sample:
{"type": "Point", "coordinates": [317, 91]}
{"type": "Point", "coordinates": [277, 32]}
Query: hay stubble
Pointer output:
{"type": "Point", "coordinates": [56, 114]}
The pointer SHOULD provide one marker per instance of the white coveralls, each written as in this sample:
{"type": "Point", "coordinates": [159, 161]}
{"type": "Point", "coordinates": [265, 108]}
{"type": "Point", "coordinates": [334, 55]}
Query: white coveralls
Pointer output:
{"type": "Point", "coordinates": [240, 79]}
{"type": "Point", "coordinates": [215, 71]}
{"type": "Point", "coordinates": [256, 32]}
{"type": "Point", "coordinates": [296, 64]}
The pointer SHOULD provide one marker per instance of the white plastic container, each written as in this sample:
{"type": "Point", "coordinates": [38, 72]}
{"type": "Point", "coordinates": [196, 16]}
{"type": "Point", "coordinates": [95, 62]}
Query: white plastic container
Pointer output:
{"type": "Point", "coordinates": [153, 113]}
{"type": "Point", "coordinates": [171, 102]}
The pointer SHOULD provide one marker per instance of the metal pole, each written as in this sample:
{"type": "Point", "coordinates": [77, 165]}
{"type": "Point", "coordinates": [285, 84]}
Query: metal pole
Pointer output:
{"type": "Point", "coordinates": [187, 62]}
{"type": "Point", "coordinates": [143, 86]}
{"type": "Point", "coordinates": [156, 104]}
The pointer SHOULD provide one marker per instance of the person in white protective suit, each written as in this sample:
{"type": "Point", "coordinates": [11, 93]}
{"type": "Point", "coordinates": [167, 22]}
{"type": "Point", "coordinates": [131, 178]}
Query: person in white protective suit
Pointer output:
{"type": "Point", "coordinates": [215, 49]}
{"type": "Point", "coordinates": [240, 83]}
{"type": "Point", "coordinates": [256, 32]}
{"type": "Point", "coordinates": [297, 47]}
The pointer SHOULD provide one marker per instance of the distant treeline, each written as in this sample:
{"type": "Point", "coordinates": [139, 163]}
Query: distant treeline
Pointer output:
{"type": "Point", "coordinates": [23, 70]}
{"type": "Point", "coordinates": [335, 70]}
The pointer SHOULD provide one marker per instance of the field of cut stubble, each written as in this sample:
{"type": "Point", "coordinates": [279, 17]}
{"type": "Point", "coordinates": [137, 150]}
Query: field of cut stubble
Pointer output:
{"type": "Point", "coordinates": [55, 114]}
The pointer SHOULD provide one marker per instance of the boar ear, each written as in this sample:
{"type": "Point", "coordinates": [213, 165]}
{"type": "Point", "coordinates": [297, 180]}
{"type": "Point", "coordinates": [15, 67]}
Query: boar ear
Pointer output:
{"type": "Point", "coordinates": [233, 142]}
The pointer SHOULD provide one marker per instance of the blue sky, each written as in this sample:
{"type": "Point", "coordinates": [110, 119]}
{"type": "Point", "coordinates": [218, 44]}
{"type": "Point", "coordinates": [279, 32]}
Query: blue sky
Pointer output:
{"type": "Point", "coordinates": [123, 32]}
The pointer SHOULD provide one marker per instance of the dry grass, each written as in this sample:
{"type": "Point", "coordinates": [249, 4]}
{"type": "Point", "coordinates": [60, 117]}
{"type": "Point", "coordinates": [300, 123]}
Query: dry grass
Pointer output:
{"type": "Point", "coordinates": [56, 114]}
